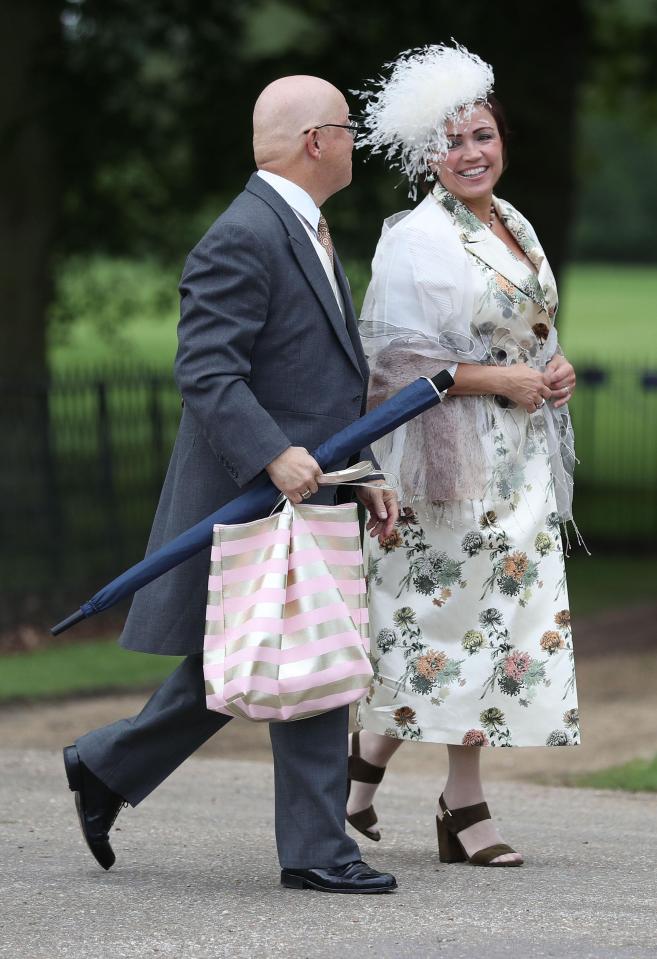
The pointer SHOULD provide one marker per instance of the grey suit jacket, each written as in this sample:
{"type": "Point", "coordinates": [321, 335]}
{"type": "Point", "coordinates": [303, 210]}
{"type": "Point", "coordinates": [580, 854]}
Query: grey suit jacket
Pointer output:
{"type": "Point", "coordinates": [265, 360]}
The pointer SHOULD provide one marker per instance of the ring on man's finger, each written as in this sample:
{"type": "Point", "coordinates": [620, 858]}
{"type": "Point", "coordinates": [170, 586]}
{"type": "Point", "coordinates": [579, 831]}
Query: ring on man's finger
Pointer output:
{"type": "Point", "coordinates": [306, 494]}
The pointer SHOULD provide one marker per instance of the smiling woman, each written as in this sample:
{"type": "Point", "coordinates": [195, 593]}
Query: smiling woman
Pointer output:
{"type": "Point", "coordinates": [487, 129]}
{"type": "Point", "coordinates": [476, 158]}
{"type": "Point", "coordinates": [474, 161]}
{"type": "Point", "coordinates": [468, 600]}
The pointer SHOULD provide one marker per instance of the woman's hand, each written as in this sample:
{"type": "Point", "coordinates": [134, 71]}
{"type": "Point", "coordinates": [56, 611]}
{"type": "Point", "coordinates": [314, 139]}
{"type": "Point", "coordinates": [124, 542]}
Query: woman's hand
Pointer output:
{"type": "Point", "coordinates": [383, 507]}
{"type": "Point", "coordinates": [560, 377]}
{"type": "Point", "coordinates": [525, 386]}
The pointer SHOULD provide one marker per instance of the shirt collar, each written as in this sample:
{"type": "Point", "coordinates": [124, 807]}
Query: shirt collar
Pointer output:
{"type": "Point", "coordinates": [300, 201]}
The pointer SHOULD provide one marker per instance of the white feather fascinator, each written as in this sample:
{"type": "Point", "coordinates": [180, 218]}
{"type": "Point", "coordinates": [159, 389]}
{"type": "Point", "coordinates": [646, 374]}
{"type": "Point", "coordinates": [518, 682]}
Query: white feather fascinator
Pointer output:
{"type": "Point", "coordinates": [405, 114]}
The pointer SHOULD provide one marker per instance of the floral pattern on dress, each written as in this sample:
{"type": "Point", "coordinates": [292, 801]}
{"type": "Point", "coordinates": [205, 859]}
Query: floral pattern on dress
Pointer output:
{"type": "Point", "coordinates": [429, 570]}
{"type": "Point", "coordinates": [468, 600]}
{"type": "Point", "coordinates": [520, 669]}
{"type": "Point", "coordinates": [428, 671]}
{"type": "Point", "coordinates": [513, 573]}
{"type": "Point", "coordinates": [514, 671]}
{"type": "Point", "coordinates": [568, 734]}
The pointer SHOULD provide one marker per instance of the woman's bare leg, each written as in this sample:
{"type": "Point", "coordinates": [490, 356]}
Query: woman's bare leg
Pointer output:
{"type": "Point", "coordinates": [464, 788]}
{"type": "Point", "coordinates": [377, 750]}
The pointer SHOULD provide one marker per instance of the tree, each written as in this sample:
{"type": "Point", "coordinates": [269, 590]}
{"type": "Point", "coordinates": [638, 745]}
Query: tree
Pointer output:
{"type": "Point", "coordinates": [538, 63]}
{"type": "Point", "coordinates": [131, 127]}
{"type": "Point", "coordinates": [30, 42]}
{"type": "Point", "coordinates": [617, 198]}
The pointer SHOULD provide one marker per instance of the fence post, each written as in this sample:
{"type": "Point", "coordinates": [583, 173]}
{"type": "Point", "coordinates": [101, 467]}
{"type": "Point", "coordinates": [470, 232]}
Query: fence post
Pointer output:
{"type": "Point", "coordinates": [51, 492]}
{"type": "Point", "coordinates": [107, 484]}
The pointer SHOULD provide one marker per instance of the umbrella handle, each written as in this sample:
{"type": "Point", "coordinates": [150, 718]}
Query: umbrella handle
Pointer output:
{"type": "Point", "coordinates": [441, 382]}
{"type": "Point", "coordinates": [71, 620]}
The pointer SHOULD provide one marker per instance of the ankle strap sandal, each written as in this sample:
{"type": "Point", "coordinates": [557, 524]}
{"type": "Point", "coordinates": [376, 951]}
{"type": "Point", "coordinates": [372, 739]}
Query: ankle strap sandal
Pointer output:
{"type": "Point", "coordinates": [360, 771]}
{"type": "Point", "coordinates": [454, 821]}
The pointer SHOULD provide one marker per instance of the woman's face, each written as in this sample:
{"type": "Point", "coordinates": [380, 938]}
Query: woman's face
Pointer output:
{"type": "Point", "coordinates": [475, 157]}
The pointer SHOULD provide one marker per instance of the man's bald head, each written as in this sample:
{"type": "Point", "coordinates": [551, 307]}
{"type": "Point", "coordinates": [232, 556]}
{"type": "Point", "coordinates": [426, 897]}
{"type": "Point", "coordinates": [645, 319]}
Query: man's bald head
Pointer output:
{"type": "Point", "coordinates": [284, 110]}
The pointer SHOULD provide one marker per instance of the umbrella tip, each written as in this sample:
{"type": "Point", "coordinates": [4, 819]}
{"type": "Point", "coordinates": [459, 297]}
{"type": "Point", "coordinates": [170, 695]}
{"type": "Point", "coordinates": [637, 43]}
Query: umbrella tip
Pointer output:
{"type": "Point", "coordinates": [65, 624]}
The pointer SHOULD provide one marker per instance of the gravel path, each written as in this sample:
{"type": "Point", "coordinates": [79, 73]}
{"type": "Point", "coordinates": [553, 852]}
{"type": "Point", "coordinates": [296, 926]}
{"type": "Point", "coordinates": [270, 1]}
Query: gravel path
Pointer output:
{"type": "Point", "coordinates": [196, 876]}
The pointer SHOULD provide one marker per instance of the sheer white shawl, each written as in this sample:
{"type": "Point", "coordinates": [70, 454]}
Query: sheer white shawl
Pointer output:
{"type": "Point", "coordinates": [418, 318]}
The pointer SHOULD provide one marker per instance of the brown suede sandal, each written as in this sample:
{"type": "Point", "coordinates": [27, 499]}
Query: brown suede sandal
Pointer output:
{"type": "Point", "coordinates": [363, 772]}
{"type": "Point", "coordinates": [450, 847]}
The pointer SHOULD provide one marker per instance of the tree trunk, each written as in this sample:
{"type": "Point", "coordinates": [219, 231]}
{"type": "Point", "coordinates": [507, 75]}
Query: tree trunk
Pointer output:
{"type": "Point", "coordinates": [30, 40]}
{"type": "Point", "coordinates": [30, 51]}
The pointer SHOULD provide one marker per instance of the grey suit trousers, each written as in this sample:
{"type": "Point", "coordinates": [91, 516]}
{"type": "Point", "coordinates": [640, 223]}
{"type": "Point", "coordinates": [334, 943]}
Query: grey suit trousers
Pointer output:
{"type": "Point", "coordinates": [133, 756]}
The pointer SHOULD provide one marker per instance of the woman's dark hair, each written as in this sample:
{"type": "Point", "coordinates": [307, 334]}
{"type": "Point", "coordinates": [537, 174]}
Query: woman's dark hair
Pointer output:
{"type": "Point", "coordinates": [496, 110]}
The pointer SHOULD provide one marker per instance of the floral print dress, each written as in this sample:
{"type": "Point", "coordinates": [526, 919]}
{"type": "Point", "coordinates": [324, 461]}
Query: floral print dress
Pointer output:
{"type": "Point", "coordinates": [468, 601]}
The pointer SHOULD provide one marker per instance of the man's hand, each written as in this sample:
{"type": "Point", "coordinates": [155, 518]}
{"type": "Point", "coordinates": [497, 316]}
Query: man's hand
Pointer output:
{"type": "Point", "coordinates": [295, 472]}
{"type": "Point", "coordinates": [560, 377]}
{"type": "Point", "coordinates": [383, 507]}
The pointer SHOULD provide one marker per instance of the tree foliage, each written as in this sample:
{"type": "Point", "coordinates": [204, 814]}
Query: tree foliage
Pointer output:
{"type": "Point", "coordinates": [163, 123]}
{"type": "Point", "coordinates": [617, 152]}
{"type": "Point", "coordinates": [131, 127]}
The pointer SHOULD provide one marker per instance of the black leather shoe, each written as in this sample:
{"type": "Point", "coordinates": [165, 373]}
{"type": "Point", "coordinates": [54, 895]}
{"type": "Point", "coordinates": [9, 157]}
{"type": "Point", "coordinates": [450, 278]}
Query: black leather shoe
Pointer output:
{"type": "Point", "coordinates": [355, 877]}
{"type": "Point", "coordinates": [96, 804]}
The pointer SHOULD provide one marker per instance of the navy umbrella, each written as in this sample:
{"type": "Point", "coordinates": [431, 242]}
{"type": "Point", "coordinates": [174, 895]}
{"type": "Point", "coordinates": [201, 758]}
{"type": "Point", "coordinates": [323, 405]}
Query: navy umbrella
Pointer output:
{"type": "Point", "coordinates": [414, 399]}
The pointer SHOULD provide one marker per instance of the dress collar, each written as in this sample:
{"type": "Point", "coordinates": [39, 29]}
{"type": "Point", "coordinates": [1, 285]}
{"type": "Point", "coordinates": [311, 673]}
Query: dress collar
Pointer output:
{"type": "Point", "coordinates": [482, 243]}
{"type": "Point", "coordinates": [295, 196]}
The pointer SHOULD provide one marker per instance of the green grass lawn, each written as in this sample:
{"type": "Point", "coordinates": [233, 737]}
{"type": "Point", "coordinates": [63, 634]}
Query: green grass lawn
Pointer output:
{"type": "Point", "coordinates": [637, 775]}
{"type": "Point", "coordinates": [595, 584]}
{"type": "Point", "coordinates": [79, 668]}
{"type": "Point", "coordinates": [607, 313]}
{"type": "Point", "coordinates": [113, 312]}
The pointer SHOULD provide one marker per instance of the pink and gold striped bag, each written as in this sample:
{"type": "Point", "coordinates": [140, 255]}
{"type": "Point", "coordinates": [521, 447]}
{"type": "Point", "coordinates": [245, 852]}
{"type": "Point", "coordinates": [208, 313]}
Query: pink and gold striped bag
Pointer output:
{"type": "Point", "coordinates": [286, 635]}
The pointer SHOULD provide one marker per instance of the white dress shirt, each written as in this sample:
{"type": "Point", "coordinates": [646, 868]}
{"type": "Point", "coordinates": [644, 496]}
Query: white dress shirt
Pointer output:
{"type": "Point", "coordinates": [308, 213]}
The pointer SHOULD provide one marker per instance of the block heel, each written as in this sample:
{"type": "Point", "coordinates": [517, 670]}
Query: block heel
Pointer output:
{"type": "Point", "coordinates": [449, 847]}
{"type": "Point", "coordinates": [454, 821]}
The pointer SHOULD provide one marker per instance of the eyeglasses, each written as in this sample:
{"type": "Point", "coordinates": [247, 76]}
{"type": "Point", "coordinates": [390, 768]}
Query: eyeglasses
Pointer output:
{"type": "Point", "coordinates": [353, 126]}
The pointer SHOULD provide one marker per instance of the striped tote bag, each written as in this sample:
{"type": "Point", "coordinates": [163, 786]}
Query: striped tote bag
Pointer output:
{"type": "Point", "coordinates": [286, 635]}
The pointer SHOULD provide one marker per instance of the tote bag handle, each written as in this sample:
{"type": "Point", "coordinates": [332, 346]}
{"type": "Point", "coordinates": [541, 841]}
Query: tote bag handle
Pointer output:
{"type": "Point", "coordinates": [351, 476]}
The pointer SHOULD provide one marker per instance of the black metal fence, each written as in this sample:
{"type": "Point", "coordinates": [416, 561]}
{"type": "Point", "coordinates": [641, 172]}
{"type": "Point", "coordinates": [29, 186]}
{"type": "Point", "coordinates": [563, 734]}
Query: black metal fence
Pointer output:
{"type": "Point", "coordinates": [85, 456]}
{"type": "Point", "coordinates": [614, 412]}
{"type": "Point", "coordinates": [84, 460]}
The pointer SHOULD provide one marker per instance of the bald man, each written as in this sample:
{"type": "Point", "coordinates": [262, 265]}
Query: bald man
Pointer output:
{"type": "Point", "coordinates": [269, 365]}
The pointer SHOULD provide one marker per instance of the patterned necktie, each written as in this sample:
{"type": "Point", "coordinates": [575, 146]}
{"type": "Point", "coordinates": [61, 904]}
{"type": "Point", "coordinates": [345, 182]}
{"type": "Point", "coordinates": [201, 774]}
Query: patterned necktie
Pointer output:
{"type": "Point", "coordinates": [324, 237]}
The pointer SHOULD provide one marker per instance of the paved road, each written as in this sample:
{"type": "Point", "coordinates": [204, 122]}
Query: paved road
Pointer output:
{"type": "Point", "coordinates": [197, 876]}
